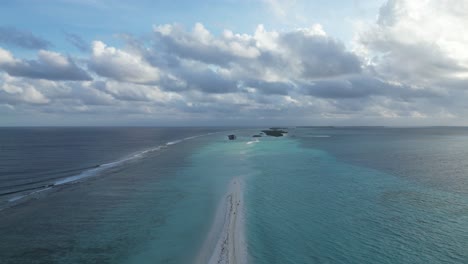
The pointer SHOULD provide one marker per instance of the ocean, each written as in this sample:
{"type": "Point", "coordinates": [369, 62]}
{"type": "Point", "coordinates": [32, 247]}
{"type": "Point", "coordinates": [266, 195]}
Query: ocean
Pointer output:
{"type": "Point", "coordinates": [189, 195]}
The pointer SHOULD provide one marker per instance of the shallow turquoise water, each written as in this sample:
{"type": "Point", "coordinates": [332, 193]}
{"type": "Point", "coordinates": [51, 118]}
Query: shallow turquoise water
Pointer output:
{"type": "Point", "coordinates": [202, 185]}
{"type": "Point", "coordinates": [305, 206]}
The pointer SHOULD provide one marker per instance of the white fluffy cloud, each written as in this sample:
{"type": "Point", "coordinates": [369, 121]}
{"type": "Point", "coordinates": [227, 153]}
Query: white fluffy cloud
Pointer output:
{"type": "Point", "coordinates": [200, 44]}
{"type": "Point", "coordinates": [138, 92]}
{"type": "Point", "coordinates": [271, 55]}
{"type": "Point", "coordinates": [13, 91]}
{"type": "Point", "coordinates": [121, 65]}
{"type": "Point", "coordinates": [423, 42]}
{"type": "Point", "coordinates": [49, 65]}
{"type": "Point", "coordinates": [6, 57]}
{"type": "Point", "coordinates": [411, 65]}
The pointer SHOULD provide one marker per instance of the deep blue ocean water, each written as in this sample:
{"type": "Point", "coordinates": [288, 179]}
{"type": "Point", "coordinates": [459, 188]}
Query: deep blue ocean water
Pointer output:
{"type": "Point", "coordinates": [318, 195]}
{"type": "Point", "coordinates": [34, 158]}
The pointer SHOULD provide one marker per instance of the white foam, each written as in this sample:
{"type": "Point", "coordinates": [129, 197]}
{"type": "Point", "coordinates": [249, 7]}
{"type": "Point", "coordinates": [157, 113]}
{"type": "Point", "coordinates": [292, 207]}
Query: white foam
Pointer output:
{"type": "Point", "coordinates": [86, 174]}
{"type": "Point", "coordinates": [97, 170]}
{"type": "Point", "coordinates": [252, 142]}
{"type": "Point", "coordinates": [174, 142]}
{"type": "Point", "coordinates": [19, 197]}
{"type": "Point", "coordinates": [16, 198]}
{"type": "Point", "coordinates": [103, 167]}
{"type": "Point", "coordinates": [188, 138]}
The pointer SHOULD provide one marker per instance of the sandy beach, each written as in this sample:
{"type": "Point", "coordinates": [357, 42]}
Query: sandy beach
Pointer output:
{"type": "Point", "coordinates": [228, 245]}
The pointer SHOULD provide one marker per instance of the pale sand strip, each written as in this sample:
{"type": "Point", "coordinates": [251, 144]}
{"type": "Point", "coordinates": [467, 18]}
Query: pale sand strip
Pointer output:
{"type": "Point", "coordinates": [230, 245]}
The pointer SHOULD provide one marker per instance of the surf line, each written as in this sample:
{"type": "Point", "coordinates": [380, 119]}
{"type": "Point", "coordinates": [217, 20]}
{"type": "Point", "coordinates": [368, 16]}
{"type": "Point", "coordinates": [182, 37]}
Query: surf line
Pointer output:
{"type": "Point", "coordinates": [94, 171]}
{"type": "Point", "coordinates": [225, 243]}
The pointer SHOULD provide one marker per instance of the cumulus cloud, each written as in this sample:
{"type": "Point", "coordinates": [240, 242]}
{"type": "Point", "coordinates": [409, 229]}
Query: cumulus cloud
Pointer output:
{"type": "Point", "coordinates": [267, 62]}
{"type": "Point", "coordinates": [121, 65]}
{"type": "Point", "coordinates": [13, 92]}
{"type": "Point", "coordinates": [199, 77]}
{"type": "Point", "coordinates": [302, 53]}
{"type": "Point", "coordinates": [421, 42]}
{"type": "Point", "coordinates": [6, 57]}
{"type": "Point", "coordinates": [272, 88]}
{"type": "Point", "coordinates": [199, 44]}
{"type": "Point", "coordinates": [409, 65]}
{"type": "Point", "coordinates": [49, 65]}
{"type": "Point", "coordinates": [11, 36]}
{"type": "Point", "coordinates": [365, 85]}
{"type": "Point", "coordinates": [137, 92]}
{"type": "Point", "coordinates": [318, 55]}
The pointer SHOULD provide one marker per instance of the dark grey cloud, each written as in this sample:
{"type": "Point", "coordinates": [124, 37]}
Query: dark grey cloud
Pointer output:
{"type": "Point", "coordinates": [203, 80]}
{"type": "Point", "coordinates": [89, 95]}
{"type": "Point", "coordinates": [341, 88]}
{"type": "Point", "coordinates": [128, 92]}
{"type": "Point", "coordinates": [11, 36]}
{"type": "Point", "coordinates": [363, 85]}
{"type": "Point", "coordinates": [49, 66]}
{"type": "Point", "coordinates": [210, 82]}
{"type": "Point", "coordinates": [298, 53]}
{"type": "Point", "coordinates": [278, 88]}
{"type": "Point", "coordinates": [219, 110]}
{"type": "Point", "coordinates": [189, 48]}
{"type": "Point", "coordinates": [320, 56]}
{"type": "Point", "coordinates": [201, 45]}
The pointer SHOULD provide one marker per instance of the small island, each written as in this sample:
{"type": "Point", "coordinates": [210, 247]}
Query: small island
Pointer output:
{"type": "Point", "coordinates": [275, 132]}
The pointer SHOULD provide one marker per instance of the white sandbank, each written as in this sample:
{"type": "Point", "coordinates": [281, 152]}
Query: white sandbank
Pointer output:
{"type": "Point", "coordinates": [230, 247]}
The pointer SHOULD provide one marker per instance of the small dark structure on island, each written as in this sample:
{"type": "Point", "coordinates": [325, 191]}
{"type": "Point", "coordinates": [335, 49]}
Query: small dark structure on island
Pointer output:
{"type": "Point", "coordinates": [232, 137]}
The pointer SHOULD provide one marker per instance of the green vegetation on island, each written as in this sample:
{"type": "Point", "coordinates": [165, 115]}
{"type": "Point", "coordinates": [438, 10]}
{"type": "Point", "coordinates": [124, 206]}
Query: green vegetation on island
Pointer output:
{"type": "Point", "coordinates": [275, 132]}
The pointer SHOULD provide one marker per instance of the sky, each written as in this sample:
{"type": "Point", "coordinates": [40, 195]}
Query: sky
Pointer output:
{"type": "Point", "coordinates": [233, 63]}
